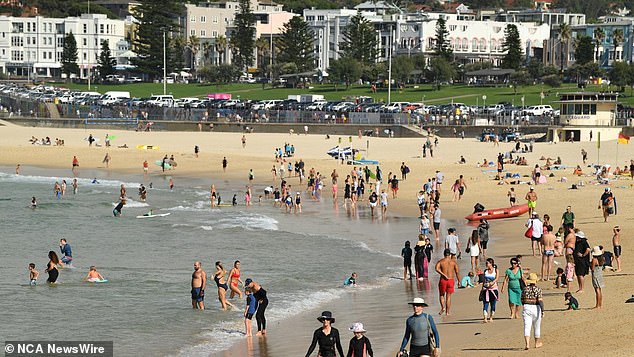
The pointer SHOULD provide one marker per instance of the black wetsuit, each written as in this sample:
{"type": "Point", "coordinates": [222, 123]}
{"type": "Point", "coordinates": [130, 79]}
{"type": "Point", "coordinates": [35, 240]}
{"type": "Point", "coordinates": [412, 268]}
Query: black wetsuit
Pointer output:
{"type": "Point", "coordinates": [263, 302]}
{"type": "Point", "coordinates": [118, 208]}
{"type": "Point", "coordinates": [357, 345]}
{"type": "Point", "coordinates": [327, 344]}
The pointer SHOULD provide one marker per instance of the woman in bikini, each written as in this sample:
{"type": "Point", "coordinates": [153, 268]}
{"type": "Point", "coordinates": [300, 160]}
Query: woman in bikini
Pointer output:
{"type": "Point", "coordinates": [234, 280]}
{"type": "Point", "coordinates": [221, 282]}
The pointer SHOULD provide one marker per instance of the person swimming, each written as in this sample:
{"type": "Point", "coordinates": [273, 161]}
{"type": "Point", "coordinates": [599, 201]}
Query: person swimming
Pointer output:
{"type": "Point", "coordinates": [33, 202]}
{"type": "Point", "coordinates": [94, 275]}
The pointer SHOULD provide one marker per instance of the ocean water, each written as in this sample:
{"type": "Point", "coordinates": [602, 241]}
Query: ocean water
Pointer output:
{"type": "Point", "coordinates": [145, 308]}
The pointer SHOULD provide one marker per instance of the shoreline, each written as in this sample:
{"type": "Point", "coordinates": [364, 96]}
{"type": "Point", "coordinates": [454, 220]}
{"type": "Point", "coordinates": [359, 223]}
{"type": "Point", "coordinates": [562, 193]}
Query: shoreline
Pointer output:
{"type": "Point", "coordinates": [501, 337]}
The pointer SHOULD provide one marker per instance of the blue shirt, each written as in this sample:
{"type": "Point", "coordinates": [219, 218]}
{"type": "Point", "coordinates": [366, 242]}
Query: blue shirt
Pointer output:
{"type": "Point", "coordinates": [252, 304]}
{"type": "Point", "coordinates": [417, 327]}
{"type": "Point", "coordinates": [66, 251]}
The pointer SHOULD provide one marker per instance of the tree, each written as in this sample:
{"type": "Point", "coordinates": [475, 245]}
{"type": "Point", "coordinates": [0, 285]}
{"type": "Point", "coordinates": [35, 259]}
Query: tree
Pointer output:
{"type": "Point", "coordinates": [441, 43]}
{"type": "Point", "coordinates": [617, 39]}
{"type": "Point", "coordinates": [262, 46]}
{"type": "Point", "coordinates": [156, 19]}
{"type": "Point", "coordinates": [222, 74]}
{"type": "Point", "coordinates": [105, 63]}
{"type": "Point", "coordinates": [208, 49]}
{"type": "Point", "coordinates": [519, 79]}
{"type": "Point", "coordinates": [402, 67]}
{"type": "Point", "coordinates": [564, 36]}
{"type": "Point", "coordinates": [243, 37]}
{"type": "Point", "coordinates": [584, 50]}
{"type": "Point", "coordinates": [345, 70]}
{"type": "Point", "coordinates": [221, 47]}
{"type": "Point", "coordinates": [175, 53]}
{"type": "Point", "coordinates": [69, 56]}
{"type": "Point", "coordinates": [359, 40]}
{"type": "Point", "coordinates": [535, 68]}
{"type": "Point", "coordinates": [599, 36]}
{"type": "Point", "coordinates": [513, 47]}
{"type": "Point", "coordinates": [440, 70]}
{"type": "Point", "coordinates": [193, 44]}
{"type": "Point", "coordinates": [619, 74]}
{"type": "Point", "coordinates": [296, 44]}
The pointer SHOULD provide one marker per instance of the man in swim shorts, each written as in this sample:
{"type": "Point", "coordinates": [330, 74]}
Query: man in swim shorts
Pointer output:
{"type": "Point", "coordinates": [449, 272]}
{"type": "Point", "coordinates": [616, 243]}
{"type": "Point", "coordinates": [531, 198]}
{"type": "Point", "coordinates": [67, 253]}
{"type": "Point", "coordinates": [199, 281]}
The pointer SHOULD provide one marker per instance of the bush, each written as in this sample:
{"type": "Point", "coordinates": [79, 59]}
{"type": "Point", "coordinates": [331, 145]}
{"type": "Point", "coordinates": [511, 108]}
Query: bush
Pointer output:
{"type": "Point", "coordinates": [552, 80]}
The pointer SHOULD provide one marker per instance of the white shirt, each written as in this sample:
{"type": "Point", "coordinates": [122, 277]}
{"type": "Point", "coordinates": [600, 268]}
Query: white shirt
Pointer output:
{"type": "Point", "coordinates": [538, 227]}
{"type": "Point", "coordinates": [437, 215]}
{"type": "Point", "coordinates": [384, 198]}
{"type": "Point", "coordinates": [439, 177]}
{"type": "Point", "coordinates": [451, 242]}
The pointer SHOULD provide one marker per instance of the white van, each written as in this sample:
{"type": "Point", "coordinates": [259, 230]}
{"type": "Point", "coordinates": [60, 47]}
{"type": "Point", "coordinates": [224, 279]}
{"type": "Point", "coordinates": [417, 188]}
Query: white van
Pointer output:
{"type": "Point", "coordinates": [161, 101]}
{"type": "Point", "coordinates": [112, 97]}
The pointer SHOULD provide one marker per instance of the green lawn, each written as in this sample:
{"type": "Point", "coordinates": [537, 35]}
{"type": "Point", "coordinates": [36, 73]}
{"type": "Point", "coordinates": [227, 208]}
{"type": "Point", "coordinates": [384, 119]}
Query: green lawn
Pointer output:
{"type": "Point", "coordinates": [420, 93]}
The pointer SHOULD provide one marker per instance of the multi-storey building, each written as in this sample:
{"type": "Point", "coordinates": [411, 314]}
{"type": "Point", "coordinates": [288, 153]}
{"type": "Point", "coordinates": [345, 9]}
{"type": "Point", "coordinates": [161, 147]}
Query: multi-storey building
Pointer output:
{"type": "Point", "coordinates": [210, 20]}
{"type": "Point", "coordinates": [32, 46]}
{"type": "Point", "coordinates": [471, 40]}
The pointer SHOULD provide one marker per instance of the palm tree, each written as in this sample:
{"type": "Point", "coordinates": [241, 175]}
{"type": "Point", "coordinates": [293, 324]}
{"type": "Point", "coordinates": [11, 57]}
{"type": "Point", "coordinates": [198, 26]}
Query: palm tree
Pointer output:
{"type": "Point", "coordinates": [599, 36]}
{"type": "Point", "coordinates": [221, 47]}
{"type": "Point", "coordinates": [262, 45]}
{"type": "Point", "coordinates": [617, 39]}
{"type": "Point", "coordinates": [564, 35]}
{"type": "Point", "coordinates": [208, 49]}
{"type": "Point", "coordinates": [194, 45]}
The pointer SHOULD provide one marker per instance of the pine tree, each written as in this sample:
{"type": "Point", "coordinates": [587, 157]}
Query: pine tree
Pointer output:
{"type": "Point", "coordinates": [513, 48]}
{"type": "Point", "coordinates": [156, 17]}
{"type": "Point", "coordinates": [105, 63]}
{"type": "Point", "coordinates": [69, 56]}
{"type": "Point", "coordinates": [296, 44]}
{"type": "Point", "coordinates": [584, 50]}
{"type": "Point", "coordinates": [359, 40]}
{"type": "Point", "coordinates": [243, 37]}
{"type": "Point", "coordinates": [441, 46]}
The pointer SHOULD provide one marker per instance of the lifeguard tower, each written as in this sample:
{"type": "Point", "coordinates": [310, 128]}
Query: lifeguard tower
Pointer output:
{"type": "Point", "coordinates": [585, 114]}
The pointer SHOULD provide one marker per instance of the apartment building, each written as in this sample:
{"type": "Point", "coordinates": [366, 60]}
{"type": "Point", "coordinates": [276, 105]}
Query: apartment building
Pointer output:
{"type": "Point", "coordinates": [210, 20]}
{"type": "Point", "coordinates": [32, 46]}
{"type": "Point", "coordinates": [471, 40]}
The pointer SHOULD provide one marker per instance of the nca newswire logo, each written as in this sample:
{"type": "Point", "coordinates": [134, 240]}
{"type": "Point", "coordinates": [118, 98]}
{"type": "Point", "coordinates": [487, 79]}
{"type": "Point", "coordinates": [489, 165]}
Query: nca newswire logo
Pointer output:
{"type": "Point", "coordinates": [58, 348]}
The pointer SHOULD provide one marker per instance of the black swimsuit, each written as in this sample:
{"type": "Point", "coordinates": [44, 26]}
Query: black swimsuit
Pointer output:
{"type": "Point", "coordinates": [52, 275]}
{"type": "Point", "coordinates": [217, 280]}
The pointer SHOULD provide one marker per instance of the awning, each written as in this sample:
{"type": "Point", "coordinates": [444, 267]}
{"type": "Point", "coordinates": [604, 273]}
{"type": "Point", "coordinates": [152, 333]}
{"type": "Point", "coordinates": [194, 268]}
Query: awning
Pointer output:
{"type": "Point", "coordinates": [493, 72]}
{"type": "Point", "coordinates": [47, 65]}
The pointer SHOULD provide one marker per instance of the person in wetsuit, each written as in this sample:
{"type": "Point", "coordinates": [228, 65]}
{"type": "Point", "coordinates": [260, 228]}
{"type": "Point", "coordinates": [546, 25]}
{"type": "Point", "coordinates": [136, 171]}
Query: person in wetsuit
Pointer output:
{"type": "Point", "coordinates": [260, 296]}
{"type": "Point", "coordinates": [51, 268]}
{"type": "Point", "coordinates": [418, 328]}
{"type": "Point", "coordinates": [327, 337]}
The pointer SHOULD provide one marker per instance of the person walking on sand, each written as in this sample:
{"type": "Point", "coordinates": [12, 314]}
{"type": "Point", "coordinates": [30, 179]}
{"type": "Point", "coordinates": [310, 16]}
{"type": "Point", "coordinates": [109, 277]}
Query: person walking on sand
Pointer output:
{"type": "Point", "coordinates": [406, 253]}
{"type": "Point", "coordinates": [548, 242]}
{"type": "Point", "coordinates": [537, 227]}
{"type": "Point", "coordinates": [533, 304]}
{"type": "Point", "coordinates": [490, 294]}
{"type": "Point", "coordinates": [449, 272]}
{"type": "Point", "coordinates": [607, 203]}
{"type": "Point", "coordinates": [596, 266]}
{"type": "Point", "coordinates": [474, 248]}
{"type": "Point", "coordinates": [436, 218]}
{"type": "Point", "coordinates": [616, 244]}
{"type": "Point", "coordinates": [106, 160]}
{"type": "Point", "coordinates": [418, 329]}
{"type": "Point", "coordinates": [244, 141]}
{"type": "Point", "coordinates": [260, 296]}
{"type": "Point", "coordinates": [483, 233]}
{"type": "Point", "coordinates": [327, 337]}
{"type": "Point", "coordinates": [199, 282]}
{"type": "Point", "coordinates": [512, 278]}
{"type": "Point", "coordinates": [531, 198]}
{"type": "Point", "coordinates": [360, 345]}
{"type": "Point", "coordinates": [75, 165]}
{"type": "Point", "coordinates": [224, 164]}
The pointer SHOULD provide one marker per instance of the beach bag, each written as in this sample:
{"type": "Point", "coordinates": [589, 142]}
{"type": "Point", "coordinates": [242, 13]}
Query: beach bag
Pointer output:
{"type": "Point", "coordinates": [522, 283]}
{"type": "Point", "coordinates": [468, 250]}
{"type": "Point", "coordinates": [432, 341]}
{"type": "Point", "coordinates": [529, 232]}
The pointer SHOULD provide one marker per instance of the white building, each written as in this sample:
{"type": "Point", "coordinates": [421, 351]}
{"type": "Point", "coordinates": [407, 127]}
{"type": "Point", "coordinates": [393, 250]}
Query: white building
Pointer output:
{"type": "Point", "coordinates": [32, 46]}
{"type": "Point", "coordinates": [471, 40]}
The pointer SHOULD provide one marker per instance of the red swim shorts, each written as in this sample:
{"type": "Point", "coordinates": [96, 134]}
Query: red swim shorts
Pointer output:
{"type": "Point", "coordinates": [445, 286]}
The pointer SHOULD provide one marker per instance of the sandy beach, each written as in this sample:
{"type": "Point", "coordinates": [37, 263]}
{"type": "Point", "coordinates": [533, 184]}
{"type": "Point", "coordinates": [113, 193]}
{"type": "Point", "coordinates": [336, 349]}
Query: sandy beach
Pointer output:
{"type": "Point", "coordinates": [384, 310]}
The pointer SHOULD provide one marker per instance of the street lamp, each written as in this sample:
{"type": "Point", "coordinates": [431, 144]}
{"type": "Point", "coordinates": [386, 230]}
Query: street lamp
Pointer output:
{"type": "Point", "coordinates": [389, 71]}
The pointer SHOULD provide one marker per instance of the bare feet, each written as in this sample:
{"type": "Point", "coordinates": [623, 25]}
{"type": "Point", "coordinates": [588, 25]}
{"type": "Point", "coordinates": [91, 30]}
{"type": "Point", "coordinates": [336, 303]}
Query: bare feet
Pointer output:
{"type": "Point", "coordinates": [526, 348]}
{"type": "Point", "coordinates": [441, 311]}
{"type": "Point", "coordinates": [538, 344]}
{"type": "Point", "coordinates": [258, 333]}
{"type": "Point", "coordinates": [579, 291]}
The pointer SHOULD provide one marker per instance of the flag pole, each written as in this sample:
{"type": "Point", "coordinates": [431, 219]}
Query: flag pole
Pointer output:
{"type": "Point", "coordinates": [598, 147]}
{"type": "Point", "coordinates": [617, 154]}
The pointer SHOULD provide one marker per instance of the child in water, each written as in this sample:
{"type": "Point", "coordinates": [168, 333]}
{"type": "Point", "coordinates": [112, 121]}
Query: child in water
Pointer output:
{"type": "Point", "coordinates": [249, 310]}
{"type": "Point", "coordinates": [351, 281]}
{"type": "Point", "coordinates": [93, 275]}
{"type": "Point", "coordinates": [33, 274]}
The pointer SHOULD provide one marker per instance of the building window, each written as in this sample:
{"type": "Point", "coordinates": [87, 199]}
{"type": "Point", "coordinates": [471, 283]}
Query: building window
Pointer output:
{"type": "Point", "coordinates": [85, 42]}
{"type": "Point", "coordinates": [85, 57]}
{"type": "Point", "coordinates": [203, 33]}
{"type": "Point", "coordinates": [474, 45]}
{"type": "Point", "coordinates": [214, 34]}
{"type": "Point", "coordinates": [320, 18]}
{"type": "Point", "coordinates": [310, 18]}
{"type": "Point", "coordinates": [214, 19]}
{"type": "Point", "coordinates": [60, 42]}
{"type": "Point", "coordinates": [18, 27]}
{"type": "Point", "coordinates": [192, 32]}
{"type": "Point", "coordinates": [101, 28]}
{"type": "Point", "coordinates": [192, 19]}
{"type": "Point", "coordinates": [452, 28]}
{"type": "Point", "coordinates": [203, 19]}
{"type": "Point", "coordinates": [85, 28]}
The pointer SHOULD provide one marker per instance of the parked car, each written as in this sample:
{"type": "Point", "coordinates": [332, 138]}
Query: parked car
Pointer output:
{"type": "Point", "coordinates": [538, 110]}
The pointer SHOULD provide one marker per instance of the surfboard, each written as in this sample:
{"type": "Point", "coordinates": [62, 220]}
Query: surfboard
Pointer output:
{"type": "Point", "coordinates": [97, 280]}
{"type": "Point", "coordinates": [224, 205]}
{"type": "Point", "coordinates": [159, 163]}
{"type": "Point", "coordinates": [111, 137]}
{"type": "Point", "coordinates": [147, 147]}
{"type": "Point", "coordinates": [154, 215]}
{"type": "Point", "coordinates": [94, 139]}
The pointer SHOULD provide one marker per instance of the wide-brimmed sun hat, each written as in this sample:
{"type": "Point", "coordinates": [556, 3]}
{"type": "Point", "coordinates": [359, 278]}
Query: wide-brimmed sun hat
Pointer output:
{"type": "Point", "coordinates": [357, 327]}
{"type": "Point", "coordinates": [532, 278]}
{"type": "Point", "coordinates": [597, 251]}
{"type": "Point", "coordinates": [418, 302]}
{"type": "Point", "coordinates": [326, 315]}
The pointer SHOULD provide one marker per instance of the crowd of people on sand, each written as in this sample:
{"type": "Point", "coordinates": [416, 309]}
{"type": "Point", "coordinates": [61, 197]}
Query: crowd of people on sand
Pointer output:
{"type": "Point", "coordinates": [46, 141]}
